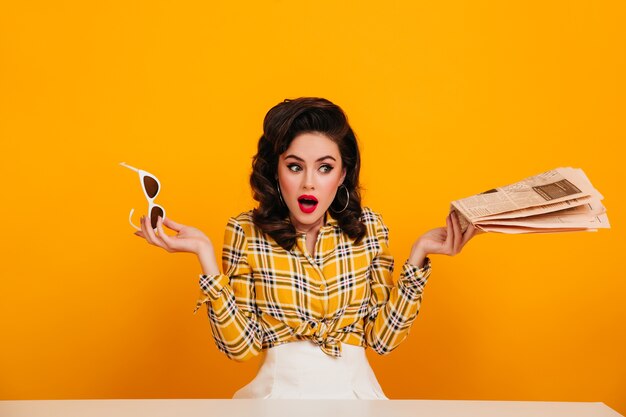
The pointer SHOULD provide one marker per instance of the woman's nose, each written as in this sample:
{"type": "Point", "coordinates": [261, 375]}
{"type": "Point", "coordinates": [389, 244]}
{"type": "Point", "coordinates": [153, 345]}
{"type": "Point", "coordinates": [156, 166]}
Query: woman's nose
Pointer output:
{"type": "Point", "coordinates": [309, 180]}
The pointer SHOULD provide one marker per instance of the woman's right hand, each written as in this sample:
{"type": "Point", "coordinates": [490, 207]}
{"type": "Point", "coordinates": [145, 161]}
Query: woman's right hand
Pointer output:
{"type": "Point", "coordinates": [188, 239]}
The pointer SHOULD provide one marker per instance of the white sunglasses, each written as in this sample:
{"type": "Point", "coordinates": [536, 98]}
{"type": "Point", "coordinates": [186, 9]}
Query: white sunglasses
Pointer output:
{"type": "Point", "coordinates": [151, 188]}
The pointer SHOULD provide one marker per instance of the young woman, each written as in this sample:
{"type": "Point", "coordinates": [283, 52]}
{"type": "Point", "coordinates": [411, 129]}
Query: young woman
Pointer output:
{"type": "Point", "coordinates": [307, 275]}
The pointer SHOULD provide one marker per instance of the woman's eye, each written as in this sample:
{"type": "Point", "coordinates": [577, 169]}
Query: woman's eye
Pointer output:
{"type": "Point", "coordinates": [295, 168]}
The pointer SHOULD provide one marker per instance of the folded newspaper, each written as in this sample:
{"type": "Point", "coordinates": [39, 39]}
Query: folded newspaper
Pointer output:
{"type": "Point", "coordinates": [560, 200]}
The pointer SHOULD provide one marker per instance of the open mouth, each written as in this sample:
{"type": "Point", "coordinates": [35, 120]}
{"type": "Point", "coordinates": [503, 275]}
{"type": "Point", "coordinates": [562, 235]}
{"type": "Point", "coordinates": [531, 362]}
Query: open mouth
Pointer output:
{"type": "Point", "coordinates": [307, 203]}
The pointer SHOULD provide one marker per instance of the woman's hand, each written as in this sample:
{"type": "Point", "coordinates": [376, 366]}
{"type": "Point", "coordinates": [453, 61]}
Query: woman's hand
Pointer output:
{"type": "Point", "coordinates": [445, 240]}
{"type": "Point", "coordinates": [188, 239]}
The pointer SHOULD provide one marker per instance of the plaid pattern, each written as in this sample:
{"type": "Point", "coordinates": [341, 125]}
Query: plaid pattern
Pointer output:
{"type": "Point", "coordinates": [344, 293]}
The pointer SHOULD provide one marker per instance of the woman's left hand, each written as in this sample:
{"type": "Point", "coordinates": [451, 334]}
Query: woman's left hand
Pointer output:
{"type": "Point", "coordinates": [447, 240]}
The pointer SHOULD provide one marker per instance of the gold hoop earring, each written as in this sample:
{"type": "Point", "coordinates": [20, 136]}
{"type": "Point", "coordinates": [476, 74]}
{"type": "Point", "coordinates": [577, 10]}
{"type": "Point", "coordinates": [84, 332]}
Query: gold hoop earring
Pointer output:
{"type": "Point", "coordinates": [280, 195]}
{"type": "Point", "coordinates": [347, 202]}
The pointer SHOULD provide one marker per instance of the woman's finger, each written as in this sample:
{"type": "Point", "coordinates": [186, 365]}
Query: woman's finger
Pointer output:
{"type": "Point", "coordinates": [172, 224]}
{"type": "Point", "coordinates": [167, 241]}
{"type": "Point", "coordinates": [450, 235]}
{"type": "Point", "coordinates": [144, 232]}
{"type": "Point", "coordinates": [458, 236]}
{"type": "Point", "coordinates": [469, 233]}
{"type": "Point", "coordinates": [154, 239]}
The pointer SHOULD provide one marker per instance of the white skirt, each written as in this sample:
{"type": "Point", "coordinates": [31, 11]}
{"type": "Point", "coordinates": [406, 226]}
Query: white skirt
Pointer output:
{"type": "Point", "coordinates": [300, 369]}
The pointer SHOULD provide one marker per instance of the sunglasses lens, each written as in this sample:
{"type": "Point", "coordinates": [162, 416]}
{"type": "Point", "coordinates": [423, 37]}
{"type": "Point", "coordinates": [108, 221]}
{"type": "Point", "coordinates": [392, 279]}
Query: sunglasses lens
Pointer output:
{"type": "Point", "coordinates": [151, 186]}
{"type": "Point", "coordinates": [154, 215]}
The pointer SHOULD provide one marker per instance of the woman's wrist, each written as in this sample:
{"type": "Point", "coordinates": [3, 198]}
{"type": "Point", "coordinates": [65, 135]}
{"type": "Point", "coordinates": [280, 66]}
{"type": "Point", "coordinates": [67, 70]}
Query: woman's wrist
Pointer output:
{"type": "Point", "coordinates": [206, 256]}
{"type": "Point", "coordinates": [418, 256]}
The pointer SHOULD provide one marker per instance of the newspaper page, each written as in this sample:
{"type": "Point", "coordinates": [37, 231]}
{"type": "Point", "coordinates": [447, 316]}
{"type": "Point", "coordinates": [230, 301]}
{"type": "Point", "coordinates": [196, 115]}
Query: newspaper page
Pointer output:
{"type": "Point", "coordinates": [525, 203]}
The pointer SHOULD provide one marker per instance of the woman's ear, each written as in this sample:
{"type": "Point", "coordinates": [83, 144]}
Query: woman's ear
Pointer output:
{"type": "Point", "coordinates": [343, 176]}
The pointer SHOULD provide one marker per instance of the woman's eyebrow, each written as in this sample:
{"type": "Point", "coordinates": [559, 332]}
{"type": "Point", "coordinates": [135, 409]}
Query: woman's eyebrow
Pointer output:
{"type": "Point", "coordinates": [318, 159]}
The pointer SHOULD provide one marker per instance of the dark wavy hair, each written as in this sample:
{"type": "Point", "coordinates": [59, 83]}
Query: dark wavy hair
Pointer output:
{"type": "Point", "coordinates": [281, 125]}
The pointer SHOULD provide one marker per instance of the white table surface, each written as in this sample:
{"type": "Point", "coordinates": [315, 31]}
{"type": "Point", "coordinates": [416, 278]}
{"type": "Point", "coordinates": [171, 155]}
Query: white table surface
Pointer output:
{"type": "Point", "coordinates": [298, 408]}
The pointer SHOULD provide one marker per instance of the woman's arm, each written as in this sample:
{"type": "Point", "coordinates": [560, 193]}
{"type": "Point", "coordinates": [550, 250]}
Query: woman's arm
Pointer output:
{"type": "Point", "coordinates": [393, 308]}
{"type": "Point", "coordinates": [230, 297]}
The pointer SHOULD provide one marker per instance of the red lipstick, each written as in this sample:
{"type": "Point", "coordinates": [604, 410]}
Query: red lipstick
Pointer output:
{"type": "Point", "coordinates": [307, 203]}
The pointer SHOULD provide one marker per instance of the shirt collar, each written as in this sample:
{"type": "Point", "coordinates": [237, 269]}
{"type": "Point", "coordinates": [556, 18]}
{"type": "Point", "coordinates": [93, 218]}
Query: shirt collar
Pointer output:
{"type": "Point", "coordinates": [331, 223]}
{"type": "Point", "coordinates": [330, 220]}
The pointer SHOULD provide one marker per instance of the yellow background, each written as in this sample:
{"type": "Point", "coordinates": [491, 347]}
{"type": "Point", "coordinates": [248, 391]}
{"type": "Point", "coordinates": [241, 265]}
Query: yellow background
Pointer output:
{"type": "Point", "coordinates": [448, 99]}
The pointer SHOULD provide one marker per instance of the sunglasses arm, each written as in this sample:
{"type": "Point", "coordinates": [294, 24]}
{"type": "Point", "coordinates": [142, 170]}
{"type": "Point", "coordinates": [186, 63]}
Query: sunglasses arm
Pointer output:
{"type": "Point", "coordinates": [129, 167]}
{"type": "Point", "coordinates": [130, 219]}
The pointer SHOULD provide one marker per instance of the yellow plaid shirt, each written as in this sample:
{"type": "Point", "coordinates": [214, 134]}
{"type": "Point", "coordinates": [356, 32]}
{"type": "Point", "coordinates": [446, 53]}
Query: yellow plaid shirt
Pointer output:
{"type": "Point", "coordinates": [343, 293]}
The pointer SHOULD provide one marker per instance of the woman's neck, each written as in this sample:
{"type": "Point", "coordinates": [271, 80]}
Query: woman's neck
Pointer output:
{"type": "Point", "coordinates": [310, 230]}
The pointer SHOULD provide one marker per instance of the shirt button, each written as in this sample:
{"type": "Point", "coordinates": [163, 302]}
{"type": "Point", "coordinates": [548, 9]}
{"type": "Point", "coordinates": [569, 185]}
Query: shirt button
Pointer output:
{"type": "Point", "coordinates": [322, 287]}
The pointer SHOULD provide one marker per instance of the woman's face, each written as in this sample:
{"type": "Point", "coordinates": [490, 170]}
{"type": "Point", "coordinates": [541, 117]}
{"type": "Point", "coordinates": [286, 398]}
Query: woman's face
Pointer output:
{"type": "Point", "coordinates": [310, 168]}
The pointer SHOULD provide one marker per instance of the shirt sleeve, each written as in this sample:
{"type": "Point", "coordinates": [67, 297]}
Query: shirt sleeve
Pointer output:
{"type": "Point", "coordinates": [392, 308]}
{"type": "Point", "coordinates": [230, 299]}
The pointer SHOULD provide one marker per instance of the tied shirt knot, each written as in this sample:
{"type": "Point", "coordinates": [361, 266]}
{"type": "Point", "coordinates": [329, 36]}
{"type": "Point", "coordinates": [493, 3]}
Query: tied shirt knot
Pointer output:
{"type": "Point", "coordinates": [320, 333]}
